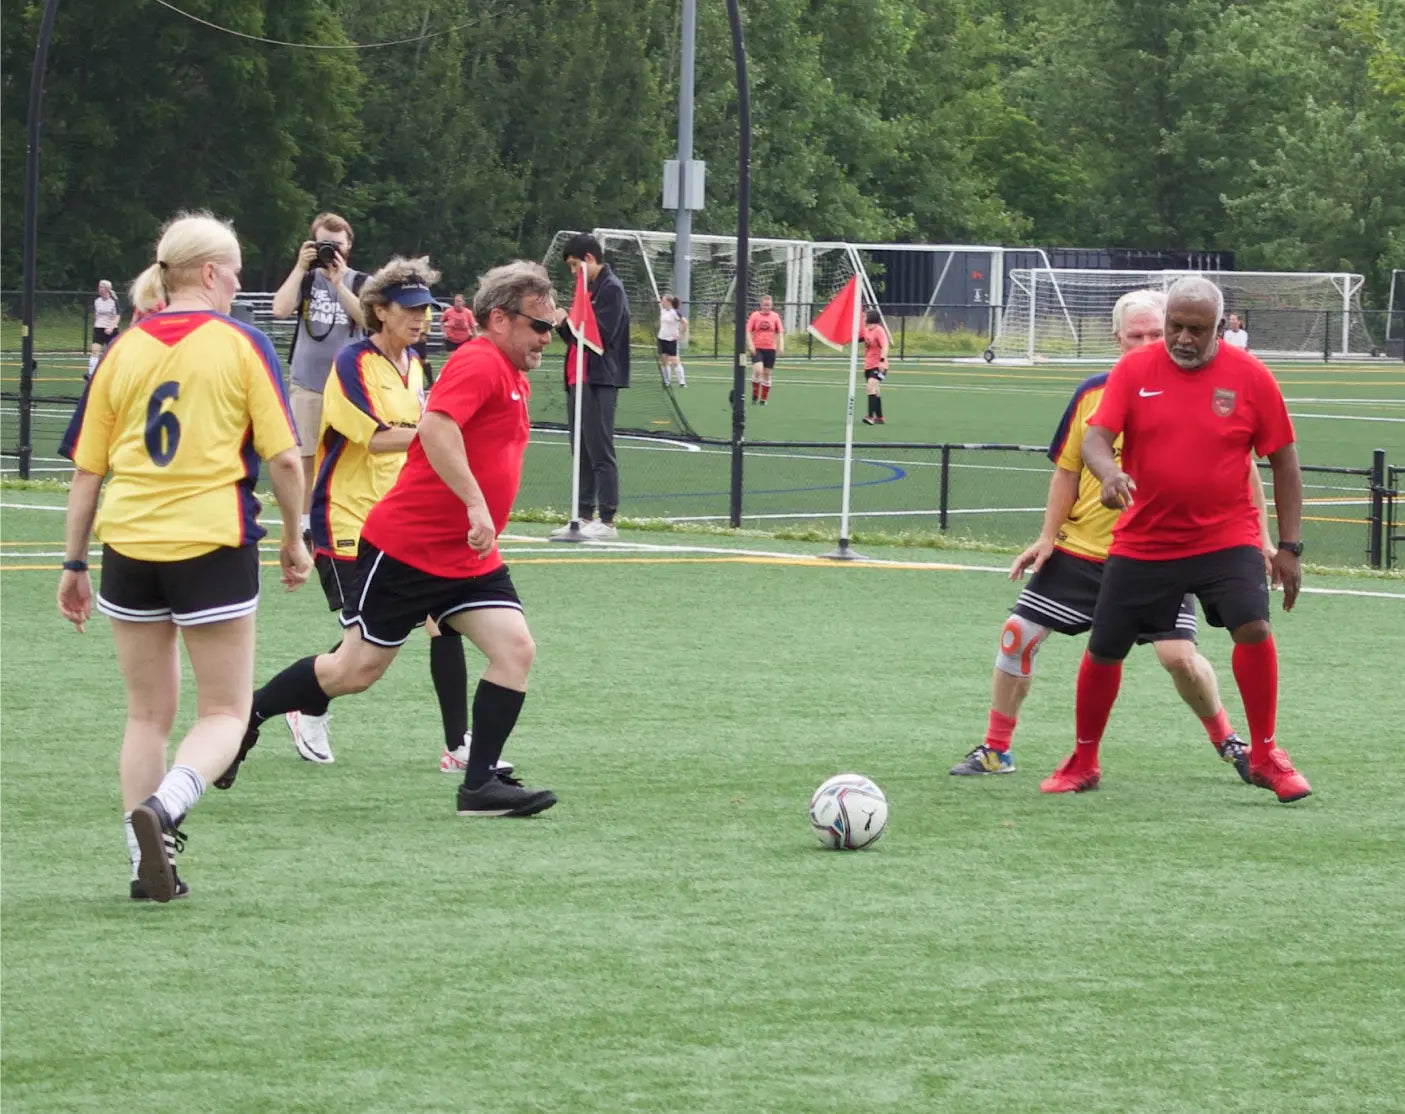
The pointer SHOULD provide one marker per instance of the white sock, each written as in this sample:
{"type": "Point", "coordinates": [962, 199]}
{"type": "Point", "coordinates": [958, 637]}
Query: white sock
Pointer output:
{"type": "Point", "coordinates": [92, 364]}
{"type": "Point", "coordinates": [681, 381]}
{"type": "Point", "coordinates": [133, 849]}
{"type": "Point", "coordinates": [180, 789]}
{"type": "Point", "coordinates": [305, 522]}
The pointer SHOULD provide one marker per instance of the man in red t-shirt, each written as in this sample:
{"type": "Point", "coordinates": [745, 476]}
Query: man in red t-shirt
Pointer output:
{"type": "Point", "coordinates": [429, 547]}
{"type": "Point", "coordinates": [765, 337]}
{"type": "Point", "coordinates": [1190, 412]}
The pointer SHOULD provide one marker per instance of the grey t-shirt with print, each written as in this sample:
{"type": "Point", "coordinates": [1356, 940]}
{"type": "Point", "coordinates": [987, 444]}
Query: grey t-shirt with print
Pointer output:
{"type": "Point", "coordinates": [322, 332]}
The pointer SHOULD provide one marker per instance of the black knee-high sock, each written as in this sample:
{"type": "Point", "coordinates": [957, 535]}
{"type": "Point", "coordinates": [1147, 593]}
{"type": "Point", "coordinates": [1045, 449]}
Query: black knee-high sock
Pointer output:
{"type": "Point", "coordinates": [450, 675]}
{"type": "Point", "coordinates": [873, 406]}
{"type": "Point", "coordinates": [877, 406]}
{"type": "Point", "coordinates": [294, 690]}
{"type": "Point", "coordinates": [495, 711]}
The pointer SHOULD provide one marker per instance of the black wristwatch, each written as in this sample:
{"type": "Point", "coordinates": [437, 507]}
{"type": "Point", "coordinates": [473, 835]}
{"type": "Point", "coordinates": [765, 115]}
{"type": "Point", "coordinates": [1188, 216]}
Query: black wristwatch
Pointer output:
{"type": "Point", "coordinates": [1295, 548]}
{"type": "Point", "coordinates": [75, 566]}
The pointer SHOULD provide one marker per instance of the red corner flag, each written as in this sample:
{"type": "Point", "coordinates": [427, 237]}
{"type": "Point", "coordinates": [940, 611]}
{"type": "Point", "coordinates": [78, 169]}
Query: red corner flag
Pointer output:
{"type": "Point", "coordinates": [835, 325]}
{"type": "Point", "coordinates": [582, 316]}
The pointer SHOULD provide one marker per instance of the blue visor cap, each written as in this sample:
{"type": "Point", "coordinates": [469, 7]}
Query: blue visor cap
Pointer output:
{"type": "Point", "coordinates": [409, 294]}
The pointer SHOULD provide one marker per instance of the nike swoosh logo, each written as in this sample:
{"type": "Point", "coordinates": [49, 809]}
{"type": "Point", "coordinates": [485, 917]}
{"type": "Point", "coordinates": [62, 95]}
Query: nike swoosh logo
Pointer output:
{"type": "Point", "coordinates": [516, 397]}
{"type": "Point", "coordinates": [1149, 394]}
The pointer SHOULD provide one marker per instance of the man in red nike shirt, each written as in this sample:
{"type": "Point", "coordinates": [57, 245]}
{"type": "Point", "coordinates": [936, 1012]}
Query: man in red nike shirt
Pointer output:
{"type": "Point", "coordinates": [429, 547]}
{"type": "Point", "coordinates": [1190, 411]}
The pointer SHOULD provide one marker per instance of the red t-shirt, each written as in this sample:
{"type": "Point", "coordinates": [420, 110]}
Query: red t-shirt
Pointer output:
{"type": "Point", "coordinates": [1186, 440]}
{"type": "Point", "coordinates": [457, 324]}
{"type": "Point", "coordinates": [764, 328]}
{"type": "Point", "coordinates": [423, 523]}
{"type": "Point", "coordinates": [875, 347]}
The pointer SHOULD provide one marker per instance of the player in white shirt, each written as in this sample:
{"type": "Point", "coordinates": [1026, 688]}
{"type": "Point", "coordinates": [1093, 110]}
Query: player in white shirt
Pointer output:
{"type": "Point", "coordinates": [1235, 333]}
{"type": "Point", "coordinates": [672, 327]}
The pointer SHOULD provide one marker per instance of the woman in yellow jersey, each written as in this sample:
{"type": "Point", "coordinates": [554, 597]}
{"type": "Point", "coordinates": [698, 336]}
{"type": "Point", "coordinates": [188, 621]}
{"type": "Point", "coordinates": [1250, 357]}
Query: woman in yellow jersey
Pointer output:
{"type": "Point", "coordinates": [179, 413]}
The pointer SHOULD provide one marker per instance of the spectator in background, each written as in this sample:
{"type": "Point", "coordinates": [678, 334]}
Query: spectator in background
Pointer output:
{"type": "Point", "coordinates": [1235, 333]}
{"type": "Point", "coordinates": [765, 338]}
{"type": "Point", "coordinates": [106, 322]}
{"type": "Point", "coordinates": [673, 326]}
{"type": "Point", "coordinates": [322, 291]}
{"type": "Point", "coordinates": [457, 324]}
{"type": "Point", "coordinates": [175, 415]}
{"type": "Point", "coordinates": [605, 376]}
{"type": "Point", "coordinates": [875, 365]}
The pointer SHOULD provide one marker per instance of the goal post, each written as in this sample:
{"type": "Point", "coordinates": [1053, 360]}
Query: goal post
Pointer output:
{"type": "Point", "coordinates": [1065, 314]}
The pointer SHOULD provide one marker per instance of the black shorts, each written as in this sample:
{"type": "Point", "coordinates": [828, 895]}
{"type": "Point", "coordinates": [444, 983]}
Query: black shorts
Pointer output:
{"type": "Point", "coordinates": [452, 345]}
{"type": "Point", "coordinates": [104, 336]}
{"type": "Point", "coordinates": [1064, 593]}
{"type": "Point", "coordinates": [874, 373]}
{"type": "Point", "coordinates": [766, 357]}
{"type": "Point", "coordinates": [212, 588]}
{"type": "Point", "coordinates": [338, 577]}
{"type": "Point", "coordinates": [394, 598]}
{"type": "Point", "coordinates": [1139, 596]}
{"type": "Point", "coordinates": [668, 347]}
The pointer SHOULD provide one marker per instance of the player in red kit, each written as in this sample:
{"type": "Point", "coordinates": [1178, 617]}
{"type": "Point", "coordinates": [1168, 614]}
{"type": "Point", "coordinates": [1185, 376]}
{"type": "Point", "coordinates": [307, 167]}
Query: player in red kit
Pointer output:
{"type": "Point", "coordinates": [429, 547]}
{"type": "Point", "coordinates": [1190, 412]}
{"type": "Point", "coordinates": [765, 336]}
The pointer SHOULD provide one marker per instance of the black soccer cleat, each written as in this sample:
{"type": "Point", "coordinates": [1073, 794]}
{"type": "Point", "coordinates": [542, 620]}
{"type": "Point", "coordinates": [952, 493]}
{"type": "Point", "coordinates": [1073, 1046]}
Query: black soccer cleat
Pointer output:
{"type": "Point", "coordinates": [1233, 751]}
{"type": "Point", "coordinates": [503, 796]}
{"type": "Point", "coordinates": [158, 838]}
{"type": "Point", "coordinates": [139, 891]}
{"type": "Point", "coordinates": [251, 738]}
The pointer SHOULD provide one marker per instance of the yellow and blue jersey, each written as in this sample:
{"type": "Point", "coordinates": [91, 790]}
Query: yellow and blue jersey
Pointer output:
{"type": "Point", "coordinates": [180, 411]}
{"type": "Point", "coordinates": [364, 394]}
{"type": "Point", "coordinates": [1087, 531]}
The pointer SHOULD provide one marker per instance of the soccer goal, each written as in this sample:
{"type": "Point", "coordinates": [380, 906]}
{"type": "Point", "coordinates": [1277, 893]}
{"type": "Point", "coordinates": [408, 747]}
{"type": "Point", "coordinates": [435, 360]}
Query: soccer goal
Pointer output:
{"type": "Point", "coordinates": [1066, 314]}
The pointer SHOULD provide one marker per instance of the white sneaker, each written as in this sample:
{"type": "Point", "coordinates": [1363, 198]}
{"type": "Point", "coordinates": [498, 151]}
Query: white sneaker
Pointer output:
{"type": "Point", "coordinates": [310, 736]}
{"type": "Point", "coordinates": [565, 531]}
{"type": "Point", "coordinates": [600, 531]}
{"type": "Point", "coordinates": [456, 761]}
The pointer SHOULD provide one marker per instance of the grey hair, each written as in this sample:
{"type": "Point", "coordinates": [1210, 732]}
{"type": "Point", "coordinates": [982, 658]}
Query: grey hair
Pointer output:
{"type": "Point", "coordinates": [1197, 288]}
{"type": "Point", "coordinates": [505, 287]}
{"type": "Point", "coordinates": [398, 270]}
{"type": "Point", "coordinates": [1134, 300]}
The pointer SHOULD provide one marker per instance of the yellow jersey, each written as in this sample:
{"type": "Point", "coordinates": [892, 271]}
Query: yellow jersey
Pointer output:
{"type": "Point", "coordinates": [180, 411]}
{"type": "Point", "coordinates": [364, 394]}
{"type": "Point", "coordinates": [1087, 531]}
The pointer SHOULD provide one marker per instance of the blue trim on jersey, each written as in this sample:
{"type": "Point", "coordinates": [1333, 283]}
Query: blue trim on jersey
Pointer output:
{"type": "Point", "coordinates": [249, 506]}
{"type": "Point", "coordinates": [266, 353]}
{"type": "Point", "coordinates": [1092, 383]}
{"type": "Point", "coordinates": [75, 424]}
{"type": "Point", "coordinates": [321, 509]}
{"type": "Point", "coordinates": [348, 369]}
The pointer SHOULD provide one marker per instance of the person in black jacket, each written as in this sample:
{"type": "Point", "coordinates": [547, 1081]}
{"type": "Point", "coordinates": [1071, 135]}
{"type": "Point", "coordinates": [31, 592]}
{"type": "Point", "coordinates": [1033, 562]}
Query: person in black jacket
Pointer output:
{"type": "Point", "coordinates": [605, 376]}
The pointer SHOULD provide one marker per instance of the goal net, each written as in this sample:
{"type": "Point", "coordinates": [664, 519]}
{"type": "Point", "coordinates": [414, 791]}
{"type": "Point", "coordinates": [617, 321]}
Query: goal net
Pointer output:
{"type": "Point", "coordinates": [1066, 314]}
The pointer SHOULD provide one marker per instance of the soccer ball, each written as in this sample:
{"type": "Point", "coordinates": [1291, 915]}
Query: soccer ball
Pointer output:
{"type": "Point", "coordinates": [848, 812]}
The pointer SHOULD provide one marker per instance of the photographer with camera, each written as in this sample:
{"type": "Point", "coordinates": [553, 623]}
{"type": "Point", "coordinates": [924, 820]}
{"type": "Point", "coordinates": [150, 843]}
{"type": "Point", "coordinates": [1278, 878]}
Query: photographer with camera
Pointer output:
{"type": "Point", "coordinates": [324, 294]}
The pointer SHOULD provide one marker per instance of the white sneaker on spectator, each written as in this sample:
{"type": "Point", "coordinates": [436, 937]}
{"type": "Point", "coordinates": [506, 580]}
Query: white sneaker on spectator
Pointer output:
{"type": "Point", "coordinates": [456, 761]}
{"type": "Point", "coordinates": [310, 736]}
{"type": "Point", "coordinates": [600, 531]}
{"type": "Point", "coordinates": [565, 531]}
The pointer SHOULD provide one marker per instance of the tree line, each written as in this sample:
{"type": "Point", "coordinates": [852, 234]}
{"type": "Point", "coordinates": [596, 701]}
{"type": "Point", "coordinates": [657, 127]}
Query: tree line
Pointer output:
{"type": "Point", "coordinates": [1272, 128]}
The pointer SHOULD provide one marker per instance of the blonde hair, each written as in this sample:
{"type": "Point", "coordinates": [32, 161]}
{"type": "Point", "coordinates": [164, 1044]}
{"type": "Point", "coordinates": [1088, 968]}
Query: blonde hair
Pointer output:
{"type": "Point", "coordinates": [1133, 300]}
{"type": "Point", "coordinates": [398, 270]}
{"type": "Point", "coordinates": [504, 288]}
{"type": "Point", "coordinates": [187, 242]}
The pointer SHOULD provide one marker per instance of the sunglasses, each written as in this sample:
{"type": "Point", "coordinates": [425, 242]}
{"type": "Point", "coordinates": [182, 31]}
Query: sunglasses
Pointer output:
{"type": "Point", "coordinates": [540, 327]}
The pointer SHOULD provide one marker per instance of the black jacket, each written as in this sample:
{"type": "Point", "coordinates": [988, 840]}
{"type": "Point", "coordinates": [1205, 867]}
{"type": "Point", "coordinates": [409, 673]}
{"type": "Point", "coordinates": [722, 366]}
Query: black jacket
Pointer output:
{"type": "Point", "coordinates": [611, 305]}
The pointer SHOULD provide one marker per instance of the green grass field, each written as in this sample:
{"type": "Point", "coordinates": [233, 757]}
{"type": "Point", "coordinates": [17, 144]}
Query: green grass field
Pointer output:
{"type": "Point", "coordinates": [670, 937]}
{"type": "Point", "coordinates": [1342, 412]}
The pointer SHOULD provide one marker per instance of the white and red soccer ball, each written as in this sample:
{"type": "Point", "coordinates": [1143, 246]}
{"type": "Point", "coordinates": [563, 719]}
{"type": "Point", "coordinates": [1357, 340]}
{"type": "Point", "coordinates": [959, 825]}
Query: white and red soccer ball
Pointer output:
{"type": "Point", "coordinates": [848, 812]}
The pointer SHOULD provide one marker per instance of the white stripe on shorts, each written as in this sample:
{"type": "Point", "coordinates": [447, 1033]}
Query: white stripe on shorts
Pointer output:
{"type": "Point", "coordinates": [132, 614]}
{"type": "Point", "coordinates": [215, 614]}
{"type": "Point", "coordinates": [1035, 602]}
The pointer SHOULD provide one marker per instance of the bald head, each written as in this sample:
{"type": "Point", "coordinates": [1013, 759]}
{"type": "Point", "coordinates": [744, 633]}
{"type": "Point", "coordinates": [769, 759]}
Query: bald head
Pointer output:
{"type": "Point", "coordinates": [1194, 306]}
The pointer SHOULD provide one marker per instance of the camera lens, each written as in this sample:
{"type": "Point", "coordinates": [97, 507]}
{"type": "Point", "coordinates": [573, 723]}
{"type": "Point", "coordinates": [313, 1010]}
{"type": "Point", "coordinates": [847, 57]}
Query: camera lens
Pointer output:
{"type": "Point", "coordinates": [326, 253]}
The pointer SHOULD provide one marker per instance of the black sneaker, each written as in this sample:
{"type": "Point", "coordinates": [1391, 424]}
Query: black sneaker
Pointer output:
{"type": "Point", "coordinates": [157, 837]}
{"type": "Point", "coordinates": [503, 796]}
{"type": "Point", "coordinates": [139, 891]}
{"type": "Point", "coordinates": [251, 737]}
{"type": "Point", "coordinates": [1233, 751]}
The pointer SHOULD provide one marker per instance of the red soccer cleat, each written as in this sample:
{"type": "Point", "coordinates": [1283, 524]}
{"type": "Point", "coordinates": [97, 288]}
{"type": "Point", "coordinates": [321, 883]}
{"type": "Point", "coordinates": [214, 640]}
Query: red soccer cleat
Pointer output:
{"type": "Point", "coordinates": [1277, 773]}
{"type": "Point", "coordinates": [1071, 777]}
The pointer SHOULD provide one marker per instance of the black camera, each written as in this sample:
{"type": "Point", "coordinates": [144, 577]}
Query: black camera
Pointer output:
{"type": "Point", "coordinates": [327, 252]}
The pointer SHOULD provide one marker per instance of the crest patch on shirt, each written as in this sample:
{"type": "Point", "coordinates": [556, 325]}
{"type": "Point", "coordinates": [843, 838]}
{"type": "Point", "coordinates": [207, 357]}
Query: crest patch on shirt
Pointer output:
{"type": "Point", "coordinates": [1223, 402]}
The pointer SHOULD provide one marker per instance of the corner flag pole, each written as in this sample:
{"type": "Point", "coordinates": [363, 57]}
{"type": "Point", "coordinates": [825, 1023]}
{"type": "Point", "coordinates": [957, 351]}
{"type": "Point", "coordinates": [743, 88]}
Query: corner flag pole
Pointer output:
{"type": "Point", "coordinates": [575, 532]}
{"type": "Point", "coordinates": [844, 552]}
{"type": "Point", "coordinates": [586, 331]}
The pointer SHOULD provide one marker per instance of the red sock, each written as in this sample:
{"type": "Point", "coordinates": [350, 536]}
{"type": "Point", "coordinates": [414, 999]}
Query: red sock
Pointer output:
{"type": "Point", "coordinates": [1256, 672]}
{"type": "Point", "coordinates": [755, 390]}
{"type": "Point", "coordinates": [1217, 726]}
{"type": "Point", "coordinates": [765, 391]}
{"type": "Point", "coordinates": [999, 731]}
{"type": "Point", "coordinates": [1097, 691]}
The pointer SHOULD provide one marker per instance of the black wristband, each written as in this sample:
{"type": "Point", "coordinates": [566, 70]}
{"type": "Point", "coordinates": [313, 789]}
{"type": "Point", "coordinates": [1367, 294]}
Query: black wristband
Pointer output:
{"type": "Point", "coordinates": [1295, 548]}
{"type": "Point", "coordinates": [75, 566]}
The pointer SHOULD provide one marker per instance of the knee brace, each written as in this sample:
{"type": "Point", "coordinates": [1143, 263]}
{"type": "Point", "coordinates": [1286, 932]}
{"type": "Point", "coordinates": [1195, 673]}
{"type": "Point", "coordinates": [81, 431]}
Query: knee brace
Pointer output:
{"type": "Point", "coordinates": [1019, 642]}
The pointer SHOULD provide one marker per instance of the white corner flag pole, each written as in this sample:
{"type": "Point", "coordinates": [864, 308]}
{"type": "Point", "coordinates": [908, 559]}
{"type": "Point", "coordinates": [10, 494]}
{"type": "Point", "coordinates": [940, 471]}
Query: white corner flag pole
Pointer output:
{"type": "Point", "coordinates": [844, 552]}
{"type": "Point", "coordinates": [575, 531]}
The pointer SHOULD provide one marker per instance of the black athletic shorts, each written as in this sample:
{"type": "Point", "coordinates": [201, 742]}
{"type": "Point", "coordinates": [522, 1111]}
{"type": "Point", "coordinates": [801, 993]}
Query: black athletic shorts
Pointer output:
{"type": "Point", "coordinates": [104, 336]}
{"type": "Point", "coordinates": [1063, 594]}
{"type": "Point", "coordinates": [220, 585]}
{"type": "Point", "coordinates": [338, 577]}
{"type": "Point", "coordinates": [875, 373]}
{"type": "Point", "coordinates": [393, 598]}
{"type": "Point", "coordinates": [668, 347]}
{"type": "Point", "coordinates": [1139, 596]}
{"type": "Point", "coordinates": [766, 357]}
